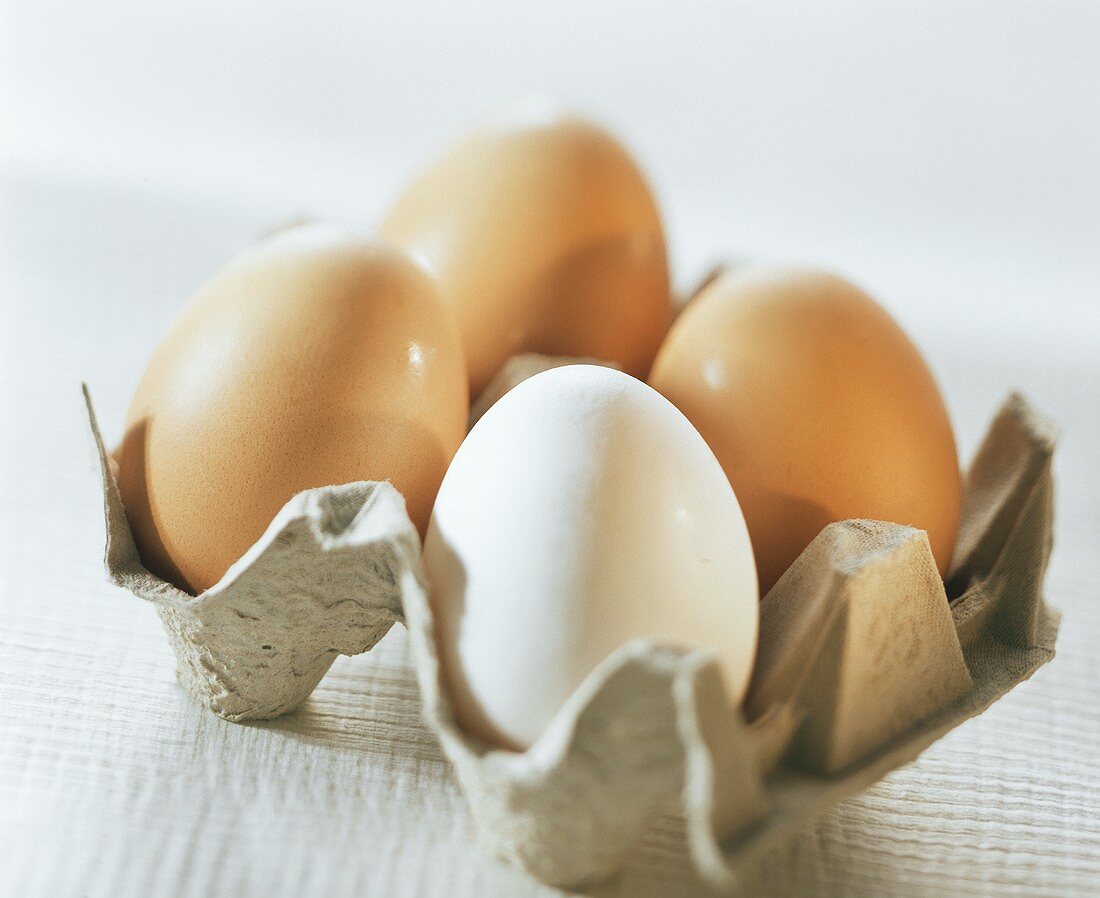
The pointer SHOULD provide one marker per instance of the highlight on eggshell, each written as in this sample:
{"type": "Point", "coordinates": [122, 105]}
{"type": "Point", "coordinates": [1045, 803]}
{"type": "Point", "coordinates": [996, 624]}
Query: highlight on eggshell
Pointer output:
{"type": "Point", "coordinates": [314, 358]}
{"type": "Point", "coordinates": [818, 407]}
{"type": "Point", "coordinates": [582, 511]}
{"type": "Point", "coordinates": [545, 237]}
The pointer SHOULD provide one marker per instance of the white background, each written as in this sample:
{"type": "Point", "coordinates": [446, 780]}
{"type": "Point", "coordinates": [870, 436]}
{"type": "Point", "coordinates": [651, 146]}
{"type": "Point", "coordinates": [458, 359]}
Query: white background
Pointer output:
{"type": "Point", "coordinates": [943, 155]}
{"type": "Point", "coordinates": [889, 140]}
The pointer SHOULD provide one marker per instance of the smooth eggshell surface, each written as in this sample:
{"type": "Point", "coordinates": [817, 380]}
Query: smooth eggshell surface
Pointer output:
{"type": "Point", "coordinates": [312, 359]}
{"type": "Point", "coordinates": [581, 512]}
{"type": "Point", "coordinates": [817, 405]}
{"type": "Point", "coordinates": [545, 238]}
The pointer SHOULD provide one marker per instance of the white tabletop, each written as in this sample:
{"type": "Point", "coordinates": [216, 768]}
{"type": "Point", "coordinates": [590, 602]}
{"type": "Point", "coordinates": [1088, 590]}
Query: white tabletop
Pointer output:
{"type": "Point", "coordinates": [946, 162]}
{"type": "Point", "coordinates": [113, 782]}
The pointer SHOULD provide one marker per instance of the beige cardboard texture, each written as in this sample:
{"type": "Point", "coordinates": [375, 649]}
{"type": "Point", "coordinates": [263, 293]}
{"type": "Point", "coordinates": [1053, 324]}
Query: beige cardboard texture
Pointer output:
{"type": "Point", "coordinates": [320, 582]}
{"type": "Point", "coordinates": [863, 663]}
{"type": "Point", "coordinates": [874, 634]}
{"type": "Point", "coordinates": [861, 669]}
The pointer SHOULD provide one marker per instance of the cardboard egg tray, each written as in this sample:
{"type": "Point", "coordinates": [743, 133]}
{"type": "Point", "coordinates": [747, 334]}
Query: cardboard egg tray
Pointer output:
{"type": "Point", "coordinates": [865, 659]}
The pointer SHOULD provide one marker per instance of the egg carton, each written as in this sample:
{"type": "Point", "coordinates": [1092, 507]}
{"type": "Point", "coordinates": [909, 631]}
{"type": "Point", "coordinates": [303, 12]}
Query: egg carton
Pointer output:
{"type": "Point", "coordinates": [865, 659]}
{"type": "Point", "coordinates": [323, 581]}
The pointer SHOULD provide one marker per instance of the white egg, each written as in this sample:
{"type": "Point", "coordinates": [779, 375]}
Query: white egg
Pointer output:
{"type": "Point", "coordinates": [582, 511]}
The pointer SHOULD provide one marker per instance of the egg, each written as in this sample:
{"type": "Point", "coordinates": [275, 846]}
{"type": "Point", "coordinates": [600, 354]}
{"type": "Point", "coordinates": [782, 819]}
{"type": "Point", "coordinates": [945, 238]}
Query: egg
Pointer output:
{"type": "Point", "coordinates": [545, 238]}
{"type": "Point", "coordinates": [314, 358]}
{"type": "Point", "coordinates": [581, 512]}
{"type": "Point", "coordinates": [817, 405]}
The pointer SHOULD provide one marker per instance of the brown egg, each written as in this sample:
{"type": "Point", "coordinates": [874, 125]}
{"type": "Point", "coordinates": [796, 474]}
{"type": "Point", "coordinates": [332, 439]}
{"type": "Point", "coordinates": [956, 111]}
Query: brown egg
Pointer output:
{"type": "Point", "coordinates": [818, 407]}
{"type": "Point", "coordinates": [545, 238]}
{"type": "Point", "coordinates": [313, 359]}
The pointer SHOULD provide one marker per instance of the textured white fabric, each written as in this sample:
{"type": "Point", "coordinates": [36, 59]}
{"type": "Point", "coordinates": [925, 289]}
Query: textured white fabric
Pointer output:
{"type": "Point", "coordinates": [113, 782]}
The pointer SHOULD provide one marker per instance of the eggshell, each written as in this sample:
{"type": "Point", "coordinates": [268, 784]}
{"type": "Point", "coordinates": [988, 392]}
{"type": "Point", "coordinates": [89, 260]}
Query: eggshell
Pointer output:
{"type": "Point", "coordinates": [312, 359]}
{"type": "Point", "coordinates": [581, 512]}
{"type": "Point", "coordinates": [817, 405]}
{"type": "Point", "coordinates": [545, 238]}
